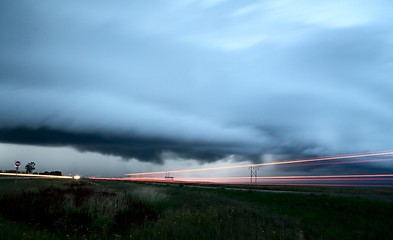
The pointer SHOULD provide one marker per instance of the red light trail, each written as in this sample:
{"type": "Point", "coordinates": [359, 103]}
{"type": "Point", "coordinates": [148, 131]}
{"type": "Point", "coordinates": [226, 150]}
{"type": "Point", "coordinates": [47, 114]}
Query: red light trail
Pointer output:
{"type": "Point", "coordinates": [272, 180]}
{"type": "Point", "coordinates": [385, 180]}
{"type": "Point", "coordinates": [289, 177]}
{"type": "Point", "coordinates": [243, 183]}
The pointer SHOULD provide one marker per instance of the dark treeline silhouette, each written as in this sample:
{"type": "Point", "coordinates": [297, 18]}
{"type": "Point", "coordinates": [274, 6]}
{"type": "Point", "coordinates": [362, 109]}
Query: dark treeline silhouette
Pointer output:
{"type": "Point", "coordinates": [56, 173]}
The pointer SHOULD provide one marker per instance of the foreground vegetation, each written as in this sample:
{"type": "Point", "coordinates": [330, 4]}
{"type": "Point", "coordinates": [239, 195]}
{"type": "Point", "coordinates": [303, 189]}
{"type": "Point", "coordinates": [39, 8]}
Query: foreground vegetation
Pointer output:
{"type": "Point", "coordinates": [87, 209]}
{"type": "Point", "coordinates": [383, 191]}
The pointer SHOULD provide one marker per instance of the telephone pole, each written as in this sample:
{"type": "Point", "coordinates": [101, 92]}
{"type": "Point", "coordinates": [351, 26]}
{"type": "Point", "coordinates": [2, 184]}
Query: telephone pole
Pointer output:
{"type": "Point", "coordinates": [253, 176]}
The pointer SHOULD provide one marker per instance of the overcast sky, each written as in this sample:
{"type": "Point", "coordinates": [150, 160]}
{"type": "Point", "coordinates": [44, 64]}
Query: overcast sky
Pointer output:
{"type": "Point", "coordinates": [150, 82]}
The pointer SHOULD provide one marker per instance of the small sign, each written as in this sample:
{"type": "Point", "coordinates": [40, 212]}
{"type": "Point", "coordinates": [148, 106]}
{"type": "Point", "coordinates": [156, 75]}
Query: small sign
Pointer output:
{"type": "Point", "coordinates": [17, 164]}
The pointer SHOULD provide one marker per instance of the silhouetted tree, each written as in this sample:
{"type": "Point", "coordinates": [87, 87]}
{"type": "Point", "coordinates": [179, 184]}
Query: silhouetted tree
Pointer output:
{"type": "Point", "coordinates": [30, 167]}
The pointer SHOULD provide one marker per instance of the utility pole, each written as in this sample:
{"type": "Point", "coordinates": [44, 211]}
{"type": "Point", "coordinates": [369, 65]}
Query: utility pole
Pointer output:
{"type": "Point", "coordinates": [253, 171]}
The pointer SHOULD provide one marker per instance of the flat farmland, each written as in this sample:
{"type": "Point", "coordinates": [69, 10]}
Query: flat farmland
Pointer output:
{"type": "Point", "coordinates": [99, 209]}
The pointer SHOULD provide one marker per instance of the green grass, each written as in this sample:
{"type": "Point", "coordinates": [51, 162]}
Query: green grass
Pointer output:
{"type": "Point", "coordinates": [384, 191]}
{"type": "Point", "coordinates": [330, 217]}
{"type": "Point", "coordinates": [327, 189]}
{"type": "Point", "coordinates": [64, 209]}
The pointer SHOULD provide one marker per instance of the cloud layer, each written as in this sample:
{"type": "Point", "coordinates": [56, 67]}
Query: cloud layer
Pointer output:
{"type": "Point", "coordinates": [198, 79]}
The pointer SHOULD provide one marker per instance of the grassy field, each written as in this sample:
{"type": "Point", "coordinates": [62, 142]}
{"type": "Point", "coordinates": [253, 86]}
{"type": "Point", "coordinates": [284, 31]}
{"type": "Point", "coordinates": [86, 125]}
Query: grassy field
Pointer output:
{"type": "Point", "coordinates": [97, 209]}
{"type": "Point", "coordinates": [383, 191]}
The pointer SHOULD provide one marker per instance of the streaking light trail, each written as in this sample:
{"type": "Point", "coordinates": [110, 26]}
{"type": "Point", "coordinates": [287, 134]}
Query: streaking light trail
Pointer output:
{"type": "Point", "coordinates": [244, 183]}
{"type": "Point", "coordinates": [357, 179]}
{"type": "Point", "coordinates": [272, 163]}
{"type": "Point", "coordinates": [37, 175]}
{"type": "Point", "coordinates": [329, 163]}
{"type": "Point", "coordinates": [294, 177]}
{"type": "Point", "coordinates": [334, 180]}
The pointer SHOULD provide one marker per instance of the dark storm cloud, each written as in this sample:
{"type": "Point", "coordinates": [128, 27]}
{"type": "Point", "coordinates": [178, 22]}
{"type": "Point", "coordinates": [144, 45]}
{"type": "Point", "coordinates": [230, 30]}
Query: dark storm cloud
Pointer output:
{"type": "Point", "coordinates": [200, 79]}
{"type": "Point", "coordinates": [145, 149]}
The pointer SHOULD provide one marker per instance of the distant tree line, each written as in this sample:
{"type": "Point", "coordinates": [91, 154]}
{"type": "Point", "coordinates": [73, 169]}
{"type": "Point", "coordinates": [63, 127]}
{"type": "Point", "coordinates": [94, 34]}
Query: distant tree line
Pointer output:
{"type": "Point", "coordinates": [57, 173]}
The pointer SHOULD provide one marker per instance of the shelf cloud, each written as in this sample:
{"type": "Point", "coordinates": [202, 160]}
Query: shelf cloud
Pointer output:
{"type": "Point", "coordinates": [198, 79]}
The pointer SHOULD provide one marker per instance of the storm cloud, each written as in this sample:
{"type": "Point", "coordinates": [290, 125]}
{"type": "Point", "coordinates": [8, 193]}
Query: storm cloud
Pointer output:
{"type": "Point", "coordinates": [198, 79]}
